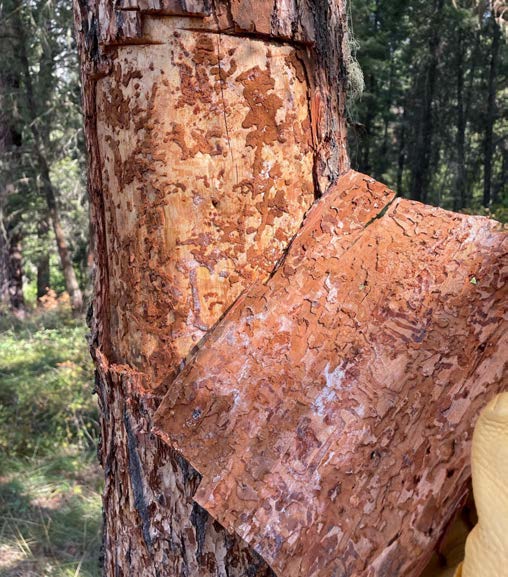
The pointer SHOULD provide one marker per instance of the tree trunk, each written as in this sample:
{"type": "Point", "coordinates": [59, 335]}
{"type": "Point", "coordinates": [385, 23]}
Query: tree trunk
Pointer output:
{"type": "Point", "coordinates": [43, 266]}
{"type": "Point", "coordinates": [488, 145]}
{"type": "Point", "coordinates": [48, 190]}
{"type": "Point", "coordinates": [401, 151]}
{"type": "Point", "coordinates": [459, 200]}
{"type": "Point", "coordinates": [211, 128]}
{"type": "Point", "coordinates": [499, 190]}
{"type": "Point", "coordinates": [468, 103]}
{"type": "Point", "coordinates": [71, 282]}
{"type": "Point", "coordinates": [17, 299]}
{"type": "Point", "coordinates": [11, 277]}
{"type": "Point", "coordinates": [424, 130]}
{"type": "Point", "coordinates": [369, 119]}
{"type": "Point", "coordinates": [4, 261]}
{"type": "Point", "coordinates": [4, 239]}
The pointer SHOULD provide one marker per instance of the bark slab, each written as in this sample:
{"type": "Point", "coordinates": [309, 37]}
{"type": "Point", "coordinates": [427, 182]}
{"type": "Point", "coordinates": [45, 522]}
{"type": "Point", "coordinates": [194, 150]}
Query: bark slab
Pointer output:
{"type": "Point", "coordinates": [330, 413]}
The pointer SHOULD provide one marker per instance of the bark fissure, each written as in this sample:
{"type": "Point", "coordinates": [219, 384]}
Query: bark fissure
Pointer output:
{"type": "Point", "coordinates": [137, 481]}
{"type": "Point", "coordinates": [221, 81]}
{"type": "Point", "coordinates": [270, 40]}
{"type": "Point", "coordinates": [199, 518]}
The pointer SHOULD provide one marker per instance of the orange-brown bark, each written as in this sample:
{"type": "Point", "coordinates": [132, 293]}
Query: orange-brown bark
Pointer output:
{"type": "Point", "coordinates": [208, 140]}
{"type": "Point", "coordinates": [215, 174]}
{"type": "Point", "coordinates": [330, 412]}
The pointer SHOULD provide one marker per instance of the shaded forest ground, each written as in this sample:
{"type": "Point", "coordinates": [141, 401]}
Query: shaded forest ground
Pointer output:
{"type": "Point", "coordinates": [50, 482]}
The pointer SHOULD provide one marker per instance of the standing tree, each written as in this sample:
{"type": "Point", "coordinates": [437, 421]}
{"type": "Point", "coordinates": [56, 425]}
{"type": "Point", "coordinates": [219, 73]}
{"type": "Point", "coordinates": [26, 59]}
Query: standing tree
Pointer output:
{"type": "Point", "coordinates": [11, 270]}
{"type": "Point", "coordinates": [36, 105]}
{"type": "Point", "coordinates": [491, 111]}
{"type": "Point", "coordinates": [211, 128]}
{"type": "Point", "coordinates": [421, 159]}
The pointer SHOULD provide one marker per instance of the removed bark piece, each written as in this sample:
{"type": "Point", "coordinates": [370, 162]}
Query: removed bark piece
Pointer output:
{"type": "Point", "coordinates": [331, 411]}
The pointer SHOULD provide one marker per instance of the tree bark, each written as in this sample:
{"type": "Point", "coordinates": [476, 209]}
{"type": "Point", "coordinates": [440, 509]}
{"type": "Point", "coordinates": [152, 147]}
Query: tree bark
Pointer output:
{"type": "Point", "coordinates": [211, 128]}
{"type": "Point", "coordinates": [330, 412]}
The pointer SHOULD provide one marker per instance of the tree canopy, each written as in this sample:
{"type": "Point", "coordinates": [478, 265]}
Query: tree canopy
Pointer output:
{"type": "Point", "coordinates": [431, 121]}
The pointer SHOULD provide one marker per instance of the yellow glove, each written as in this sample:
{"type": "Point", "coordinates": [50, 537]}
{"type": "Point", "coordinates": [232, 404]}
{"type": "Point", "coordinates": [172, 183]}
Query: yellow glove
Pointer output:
{"type": "Point", "coordinates": [487, 544]}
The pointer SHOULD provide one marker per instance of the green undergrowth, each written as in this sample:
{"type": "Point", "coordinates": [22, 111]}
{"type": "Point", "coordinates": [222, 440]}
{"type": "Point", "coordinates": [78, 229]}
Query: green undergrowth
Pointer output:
{"type": "Point", "coordinates": [50, 483]}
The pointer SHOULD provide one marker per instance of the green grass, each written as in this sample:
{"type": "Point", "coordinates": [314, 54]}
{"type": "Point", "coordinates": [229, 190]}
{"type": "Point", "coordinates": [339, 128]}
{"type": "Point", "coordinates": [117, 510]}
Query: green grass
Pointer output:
{"type": "Point", "coordinates": [50, 483]}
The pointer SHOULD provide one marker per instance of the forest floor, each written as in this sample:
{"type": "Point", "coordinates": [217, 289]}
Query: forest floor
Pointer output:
{"type": "Point", "coordinates": [50, 481]}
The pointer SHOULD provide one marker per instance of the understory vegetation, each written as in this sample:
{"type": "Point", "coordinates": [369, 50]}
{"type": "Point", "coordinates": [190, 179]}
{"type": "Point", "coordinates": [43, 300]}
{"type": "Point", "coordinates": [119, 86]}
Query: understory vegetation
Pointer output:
{"type": "Point", "coordinates": [50, 482]}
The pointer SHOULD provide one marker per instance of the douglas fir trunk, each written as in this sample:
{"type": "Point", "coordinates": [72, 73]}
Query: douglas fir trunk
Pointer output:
{"type": "Point", "coordinates": [211, 129]}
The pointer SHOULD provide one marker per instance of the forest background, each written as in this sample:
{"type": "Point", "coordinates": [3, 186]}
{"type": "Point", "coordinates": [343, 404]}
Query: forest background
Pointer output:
{"type": "Point", "coordinates": [427, 114]}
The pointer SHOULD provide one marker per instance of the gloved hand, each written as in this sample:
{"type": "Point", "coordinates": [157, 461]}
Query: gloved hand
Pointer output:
{"type": "Point", "coordinates": [487, 544]}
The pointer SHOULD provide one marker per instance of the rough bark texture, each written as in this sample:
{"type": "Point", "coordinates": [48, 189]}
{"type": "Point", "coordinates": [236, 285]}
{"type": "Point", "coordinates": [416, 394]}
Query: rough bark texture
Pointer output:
{"type": "Point", "coordinates": [331, 411]}
{"type": "Point", "coordinates": [211, 128]}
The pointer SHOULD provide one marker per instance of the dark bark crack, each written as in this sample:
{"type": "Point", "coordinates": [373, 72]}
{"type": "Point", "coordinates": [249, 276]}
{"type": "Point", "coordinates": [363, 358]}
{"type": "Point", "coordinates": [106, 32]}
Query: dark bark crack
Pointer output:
{"type": "Point", "coordinates": [136, 478]}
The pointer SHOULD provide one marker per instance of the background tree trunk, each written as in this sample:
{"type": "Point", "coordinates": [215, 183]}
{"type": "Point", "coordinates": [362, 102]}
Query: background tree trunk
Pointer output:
{"type": "Point", "coordinates": [4, 240]}
{"type": "Point", "coordinates": [459, 200]}
{"type": "Point", "coordinates": [488, 145]}
{"type": "Point", "coordinates": [47, 188]}
{"type": "Point", "coordinates": [211, 128]}
{"type": "Point", "coordinates": [4, 259]}
{"type": "Point", "coordinates": [11, 270]}
{"type": "Point", "coordinates": [43, 266]}
{"type": "Point", "coordinates": [424, 130]}
{"type": "Point", "coordinates": [17, 299]}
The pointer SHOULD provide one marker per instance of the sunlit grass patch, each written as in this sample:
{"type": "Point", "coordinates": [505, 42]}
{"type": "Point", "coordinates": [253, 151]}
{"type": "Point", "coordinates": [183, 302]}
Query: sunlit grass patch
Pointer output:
{"type": "Point", "coordinates": [50, 514]}
{"type": "Point", "coordinates": [45, 385]}
{"type": "Point", "coordinates": [50, 482]}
